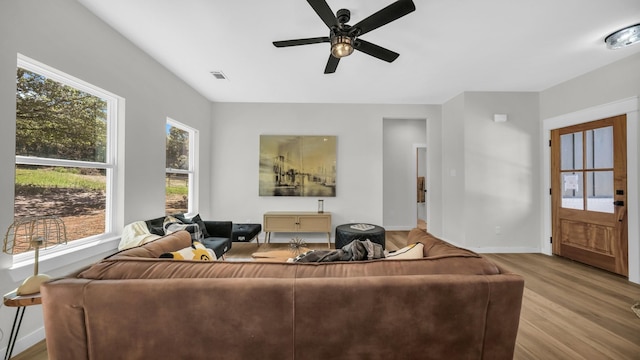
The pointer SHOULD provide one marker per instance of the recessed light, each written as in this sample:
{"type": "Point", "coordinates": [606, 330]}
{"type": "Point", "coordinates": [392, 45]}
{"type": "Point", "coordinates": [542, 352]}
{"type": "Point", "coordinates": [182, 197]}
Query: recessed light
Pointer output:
{"type": "Point", "coordinates": [623, 37]}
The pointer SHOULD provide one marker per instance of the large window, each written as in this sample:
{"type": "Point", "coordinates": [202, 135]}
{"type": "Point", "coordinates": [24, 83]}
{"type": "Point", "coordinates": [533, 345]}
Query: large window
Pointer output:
{"type": "Point", "coordinates": [180, 174]}
{"type": "Point", "coordinates": [65, 158]}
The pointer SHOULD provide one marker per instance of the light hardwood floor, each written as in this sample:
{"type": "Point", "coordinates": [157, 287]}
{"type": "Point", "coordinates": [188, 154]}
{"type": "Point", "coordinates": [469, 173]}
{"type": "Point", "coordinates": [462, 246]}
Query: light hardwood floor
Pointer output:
{"type": "Point", "coordinates": [569, 310]}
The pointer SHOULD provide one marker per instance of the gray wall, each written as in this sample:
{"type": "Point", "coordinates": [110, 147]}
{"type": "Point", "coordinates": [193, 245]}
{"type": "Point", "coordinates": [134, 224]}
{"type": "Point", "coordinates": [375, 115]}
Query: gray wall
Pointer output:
{"type": "Point", "coordinates": [360, 170]}
{"type": "Point", "coordinates": [490, 173]}
{"type": "Point", "coordinates": [66, 36]}
{"type": "Point", "coordinates": [614, 82]}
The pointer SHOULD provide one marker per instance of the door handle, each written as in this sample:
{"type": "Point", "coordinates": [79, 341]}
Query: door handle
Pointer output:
{"type": "Point", "coordinates": [620, 209]}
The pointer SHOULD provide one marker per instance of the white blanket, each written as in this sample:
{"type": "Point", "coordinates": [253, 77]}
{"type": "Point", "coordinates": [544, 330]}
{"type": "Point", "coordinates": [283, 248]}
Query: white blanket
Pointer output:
{"type": "Point", "coordinates": [135, 234]}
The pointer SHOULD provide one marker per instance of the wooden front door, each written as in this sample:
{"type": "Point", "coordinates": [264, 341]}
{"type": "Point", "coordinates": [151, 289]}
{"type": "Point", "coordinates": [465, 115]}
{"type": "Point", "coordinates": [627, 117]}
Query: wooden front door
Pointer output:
{"type": "Point", "coordinates": [589, 193]}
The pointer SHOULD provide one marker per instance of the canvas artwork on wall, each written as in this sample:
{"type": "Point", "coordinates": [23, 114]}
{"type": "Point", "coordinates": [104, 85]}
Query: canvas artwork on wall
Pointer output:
{"type": "Point", "coordinates": [297, 165]}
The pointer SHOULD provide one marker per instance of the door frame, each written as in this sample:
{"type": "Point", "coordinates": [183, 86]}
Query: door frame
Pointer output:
{"type": "Point", "coordinates": [426, 181]}
{"type": "Point", "coordinates": [629, 107]}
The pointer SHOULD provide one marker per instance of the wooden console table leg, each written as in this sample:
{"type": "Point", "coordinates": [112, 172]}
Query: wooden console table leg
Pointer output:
{"type": "Point", "coordinates": [329, 240]}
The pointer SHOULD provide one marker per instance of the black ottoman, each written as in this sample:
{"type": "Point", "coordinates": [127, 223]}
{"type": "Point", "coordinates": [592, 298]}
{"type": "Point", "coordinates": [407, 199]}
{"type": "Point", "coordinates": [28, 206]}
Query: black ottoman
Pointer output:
{"type": "Point", "coordinates": [246, 232]}
{"type": "Point", "coordinates": [347, 233]}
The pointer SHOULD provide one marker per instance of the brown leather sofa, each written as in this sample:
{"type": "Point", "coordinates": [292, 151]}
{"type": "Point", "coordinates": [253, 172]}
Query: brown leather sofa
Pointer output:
{"type": "Point", "coordinates": [450, 304]}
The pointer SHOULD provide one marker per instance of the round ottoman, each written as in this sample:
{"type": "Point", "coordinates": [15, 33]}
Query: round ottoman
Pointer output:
{"type": "Point", "coordinates": [348, 232]}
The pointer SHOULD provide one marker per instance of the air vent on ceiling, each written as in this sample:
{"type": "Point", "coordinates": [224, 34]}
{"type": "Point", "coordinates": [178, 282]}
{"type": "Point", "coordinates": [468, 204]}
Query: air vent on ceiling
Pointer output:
{"type": "Point", "coordinates": [219, 75]}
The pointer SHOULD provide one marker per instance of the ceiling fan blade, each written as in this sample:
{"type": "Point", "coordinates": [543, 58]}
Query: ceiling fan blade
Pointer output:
{"type": "Point", "coordinates": [297, 42]}
{"type": "Point", "coordinates": [375, 50]}
{"type": "Point", "coordinates": [390, 13]}
{"type": "Point", "coordinates": [324, 11]}
{"type": "Point", "coordinates": [332, 64]}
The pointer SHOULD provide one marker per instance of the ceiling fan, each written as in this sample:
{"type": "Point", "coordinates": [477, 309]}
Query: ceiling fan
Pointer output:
{"type": "Point", "coordinates": [345, 38]}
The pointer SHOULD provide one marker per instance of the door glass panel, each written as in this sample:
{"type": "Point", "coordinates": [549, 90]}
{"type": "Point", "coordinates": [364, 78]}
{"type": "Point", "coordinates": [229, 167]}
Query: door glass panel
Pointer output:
{"type": "Point", "coordinates": [600, 148]}
{"type": "Point", "coordinates": [571, 151]}
{"type": "Point", "coordinates": [572, 191]}
{"type": "Point", "coordinates": [600, 191]}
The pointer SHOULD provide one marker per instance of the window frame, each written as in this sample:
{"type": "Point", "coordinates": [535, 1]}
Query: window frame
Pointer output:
{"type": "Point", "coordinates": [192, 208]}
{"type": "Point", "coordinates": [114, 113]}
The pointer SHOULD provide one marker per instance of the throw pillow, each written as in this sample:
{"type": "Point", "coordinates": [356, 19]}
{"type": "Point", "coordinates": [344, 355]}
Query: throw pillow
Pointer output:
{"type": "Point", "coordinates": [194, 220]}
{"type": "Point", "coordinates": [196, 251]}
{"type": "Point", "coordinates": [156, 230]}
{"type": "Point", "coordinates": [413, 251]}
{"type": "Point", "coordinates": [172, 224]}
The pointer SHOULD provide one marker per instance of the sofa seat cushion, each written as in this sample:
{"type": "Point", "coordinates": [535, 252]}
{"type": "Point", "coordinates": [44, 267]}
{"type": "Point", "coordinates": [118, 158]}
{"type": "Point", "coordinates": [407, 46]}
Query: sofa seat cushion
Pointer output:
{"type": "Point", "coordinates": [217, 244]}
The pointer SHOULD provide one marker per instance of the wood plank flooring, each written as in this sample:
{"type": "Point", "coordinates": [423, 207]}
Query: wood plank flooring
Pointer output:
{"type": "Point", "coordinates": [573, 311]}
{"type": "Point", "coordinates": [569, 310]}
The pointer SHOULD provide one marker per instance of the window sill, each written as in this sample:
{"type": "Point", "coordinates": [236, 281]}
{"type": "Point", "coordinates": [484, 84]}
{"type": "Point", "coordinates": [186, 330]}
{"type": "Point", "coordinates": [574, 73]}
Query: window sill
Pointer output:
{"type": "Point", "coordinates": [63, 262]}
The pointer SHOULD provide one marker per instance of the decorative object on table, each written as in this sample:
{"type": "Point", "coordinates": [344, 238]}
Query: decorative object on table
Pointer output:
{"type": "Point", "coordinates": [296, 245]}
{"type": "Point", "coordinates": [320, 206]}
{"type": "Point", "coordinates": [297, 165]}
{"type": "Point", "coordinates": [34, 233]}
{"type": "Point", "coordinates": [362, 227]}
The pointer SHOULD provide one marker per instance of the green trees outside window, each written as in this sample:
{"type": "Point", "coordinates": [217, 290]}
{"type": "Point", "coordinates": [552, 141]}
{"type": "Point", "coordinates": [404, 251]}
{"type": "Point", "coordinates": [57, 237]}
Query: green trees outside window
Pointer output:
{"type": "Point", "coordinates": [180, 168]}
{"type": "Point", "coordinates": [61, 153]}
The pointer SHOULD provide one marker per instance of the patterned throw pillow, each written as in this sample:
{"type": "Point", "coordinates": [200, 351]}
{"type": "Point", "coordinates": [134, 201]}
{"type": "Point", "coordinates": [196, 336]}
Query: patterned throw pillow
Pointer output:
{"type": "Point", "coordinates": [194, 220]}
{"type": "Point", "coordinates": [172, 224]}
{"type": "Point", "coordinates": [196, 251]}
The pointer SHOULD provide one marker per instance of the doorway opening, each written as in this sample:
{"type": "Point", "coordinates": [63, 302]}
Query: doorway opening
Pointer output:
{"type": "Point", "coordinates": [421, 186]}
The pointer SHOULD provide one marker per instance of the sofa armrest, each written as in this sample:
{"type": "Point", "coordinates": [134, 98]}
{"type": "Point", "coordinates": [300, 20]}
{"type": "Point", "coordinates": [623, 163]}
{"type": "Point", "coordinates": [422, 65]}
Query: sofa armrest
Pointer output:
{"type": "Point", "coordinates": [219, 228]}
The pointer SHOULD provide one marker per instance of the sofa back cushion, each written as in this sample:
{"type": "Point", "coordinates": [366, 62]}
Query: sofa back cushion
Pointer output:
{"type": "Point", "coordinates": [143, 262]}
{"type": "Point", "coordinates": [435, 247]}
{"type": "Point", "coordinates": [168, 243]}
{"type": "Point", "coordinates": [141, 268]}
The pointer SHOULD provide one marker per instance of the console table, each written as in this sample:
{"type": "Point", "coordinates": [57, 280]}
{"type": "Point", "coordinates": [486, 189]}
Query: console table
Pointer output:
{"type": "Point", "coordinates": [297, 221]}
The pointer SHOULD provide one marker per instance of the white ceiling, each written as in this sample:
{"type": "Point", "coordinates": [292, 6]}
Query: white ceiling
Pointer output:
{"type": "Point", "coordinates": [446, 46]}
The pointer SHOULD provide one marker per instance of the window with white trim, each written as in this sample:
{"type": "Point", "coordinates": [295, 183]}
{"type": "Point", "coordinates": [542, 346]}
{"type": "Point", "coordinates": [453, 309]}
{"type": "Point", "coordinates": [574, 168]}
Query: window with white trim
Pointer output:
{"type": "Point", "coordinates": [180, 168]}
{"type": "Point", "coordinates": [65, 151]}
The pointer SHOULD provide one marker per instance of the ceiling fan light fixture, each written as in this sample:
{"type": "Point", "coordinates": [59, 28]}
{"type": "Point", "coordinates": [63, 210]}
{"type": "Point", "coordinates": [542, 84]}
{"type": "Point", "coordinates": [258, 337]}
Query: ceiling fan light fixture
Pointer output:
{"type": "Point", "coordinates": [341, 46]}
{"type": "Point", "coordinates": [623, 37]}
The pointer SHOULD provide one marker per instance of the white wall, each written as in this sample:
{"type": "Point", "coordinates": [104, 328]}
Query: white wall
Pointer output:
{"type": "Point", "coordinates": [64, 35]}
{"type": "Point", "coordinates": [359, 129]}
{"type": "Point", "coordinates": [490, 183]}
{"type": "Point", "coordinates": [399, 164]}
